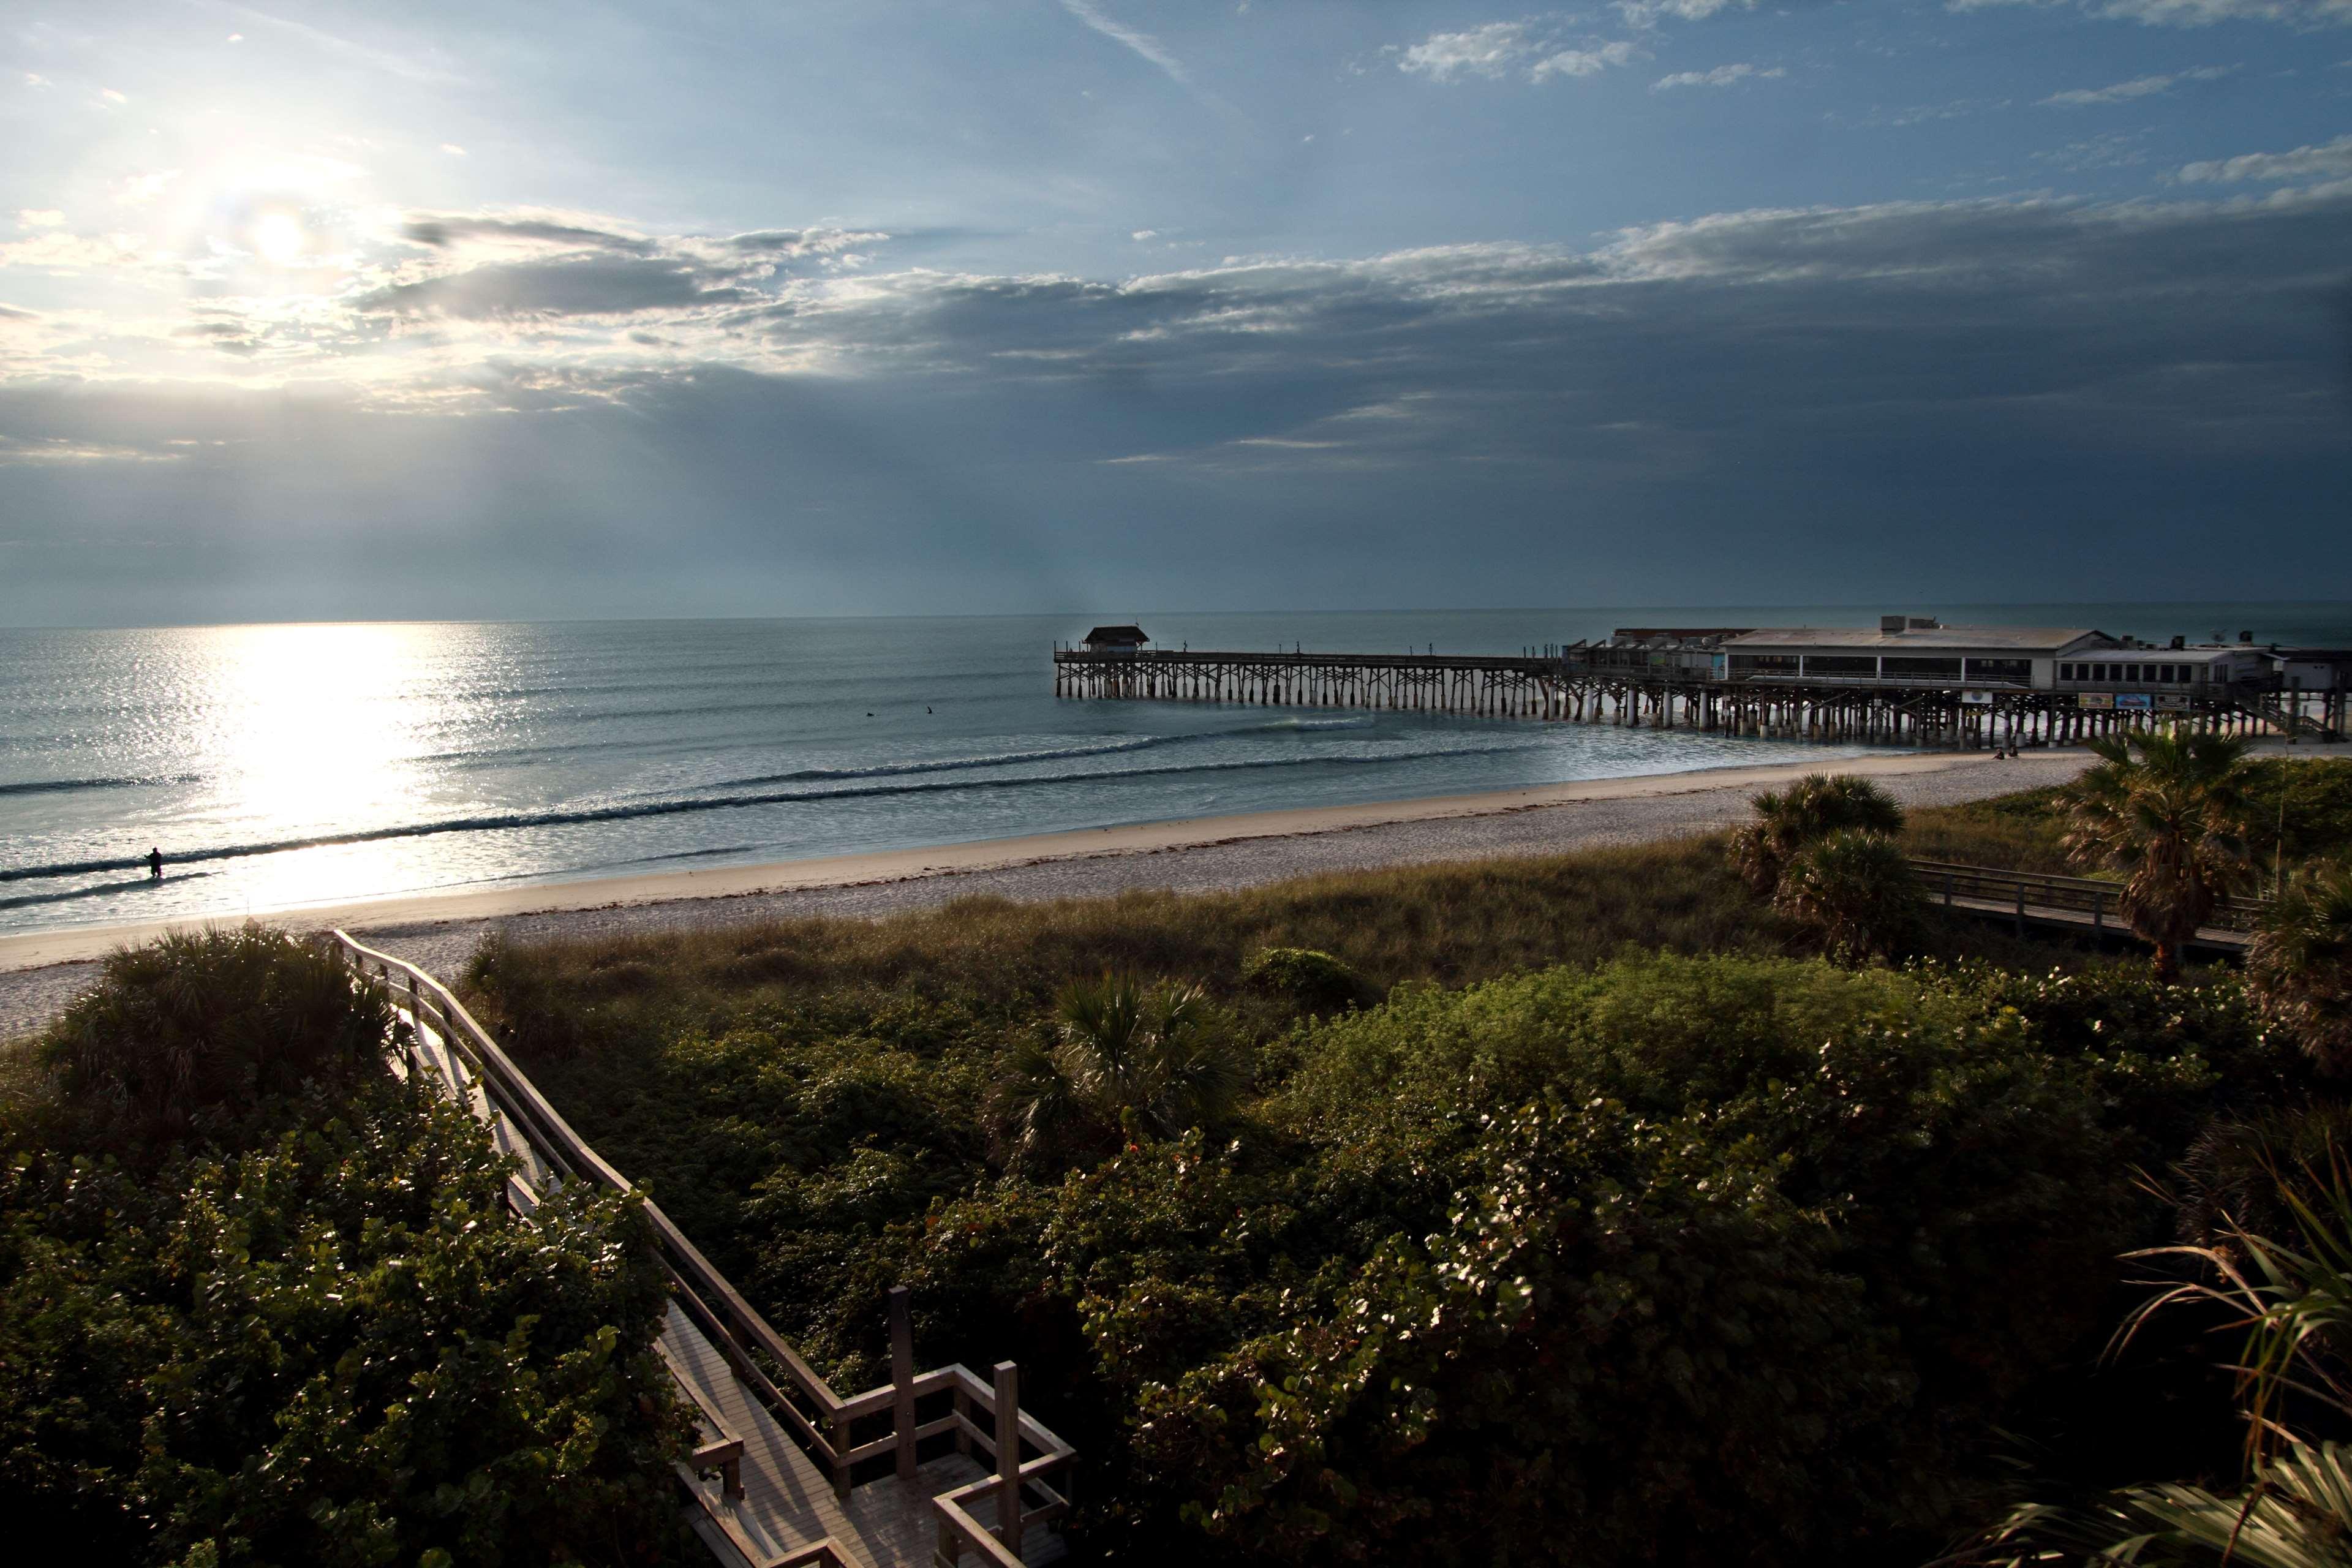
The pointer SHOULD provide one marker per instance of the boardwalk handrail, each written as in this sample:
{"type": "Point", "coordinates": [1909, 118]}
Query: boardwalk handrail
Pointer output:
{"type": "Point", "coordinates": [740, 1333]}
{"type": "Point", "coordinates": [2035, 891]}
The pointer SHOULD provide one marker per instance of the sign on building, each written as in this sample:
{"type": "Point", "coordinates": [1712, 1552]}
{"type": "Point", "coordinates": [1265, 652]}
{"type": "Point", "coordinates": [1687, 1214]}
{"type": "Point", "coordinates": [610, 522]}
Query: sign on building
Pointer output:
{"type": "Point", "coordinates": [2094, 699]}
{"type": "Point", "coordinates": [2134, 700]}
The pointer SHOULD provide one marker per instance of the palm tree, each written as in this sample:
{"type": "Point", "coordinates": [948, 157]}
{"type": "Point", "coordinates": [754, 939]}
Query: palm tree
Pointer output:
{"type": "Point", "coordinates": [1812, 808]}
{"type": "Point", "coordinates": [2169, 810]}
{"type": "Point", "coordinates": [2294, 1302]}
{"type": "Point", "coordinates": [1125, 1056]}
{"type": "Point", "coordinates": [1857, 892]}
{"type": "Point", "coordinates": [2300, 964]}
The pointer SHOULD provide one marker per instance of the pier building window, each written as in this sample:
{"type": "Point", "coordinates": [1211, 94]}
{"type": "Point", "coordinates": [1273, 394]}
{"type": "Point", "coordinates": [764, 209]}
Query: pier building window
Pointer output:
{"type": "Point", "coordinates": [1922, 669]}
{"type": "Point", "coordinates": [1763, 664]}
{"type": "Point", "coordinates": [2015, 671]}
{"type": "Point", "coordinates": [1850, 667]}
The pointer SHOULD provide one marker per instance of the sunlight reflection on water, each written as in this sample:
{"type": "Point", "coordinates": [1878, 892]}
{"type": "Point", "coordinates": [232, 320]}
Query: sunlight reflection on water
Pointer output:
{"type": "Point", "coordinates": [282, 765]}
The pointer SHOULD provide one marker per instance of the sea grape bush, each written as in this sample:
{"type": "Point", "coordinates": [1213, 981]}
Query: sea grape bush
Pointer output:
{"type": "Point", "coordinates": [1673, 1261]}
{"type": "Point", "coordinates": [324, 1340]}
{"type": "Point", "coordinates": [1651, 1261]}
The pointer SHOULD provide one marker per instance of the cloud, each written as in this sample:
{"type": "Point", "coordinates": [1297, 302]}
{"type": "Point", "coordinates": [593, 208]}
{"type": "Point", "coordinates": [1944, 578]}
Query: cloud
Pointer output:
{"type": "Point", "coordinates": [2326, 160]}
{"type": "Point", "coordinates": [529, 227]}
{"type": "Point", "coordinates": [35, 78]}
{"type": "Point", "coordinates": [1496, 49]}
{"type": "Point", "coordinates": [1801, 400]}
{"type": "Point", "coordinates": [16, 451]}
{"type": "Point", "coordinates": [1141, 43]}
{"type": "Point", "coordinates": [1583, 62]}
{"type": "Point", "coordinates": [452, 148]}
{"type": "Point", "coordinates": [39, 217]}
{"type": "Point", "coordinates": [536, 264]}
{"type": "Point", "coordinates": [1648, 13]}
{"type": "Point", "coordinates": [2194, 13]}
{"type": "Point", "coordinates": [53, 250]}
{"type": "Point", "coordinates": [2108, 150]}
{"type": "Point", "coordinates": [1721, 75]}
{"type": "Point", "coordinates": [586, 286]}
{"type": "Point", "coordinates": [1489, 50]}
{"type": "Point", "coordinates": [111, 95]}
{"type": "Point", "coordinates": [2138, 87]}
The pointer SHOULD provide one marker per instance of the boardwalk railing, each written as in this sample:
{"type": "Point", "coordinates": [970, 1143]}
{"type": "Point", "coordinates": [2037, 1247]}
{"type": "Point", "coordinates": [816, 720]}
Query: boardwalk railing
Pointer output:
{"type": "Point", "coordinates": [2035, 894]}
{"type": "Point", "coordinates": [825, 1424]}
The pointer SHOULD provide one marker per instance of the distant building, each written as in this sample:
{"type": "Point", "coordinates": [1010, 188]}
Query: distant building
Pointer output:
{"type": "Point", "coordinates": [1917, 651]}
{"type": "Point", "coordinates": [1114, 640]}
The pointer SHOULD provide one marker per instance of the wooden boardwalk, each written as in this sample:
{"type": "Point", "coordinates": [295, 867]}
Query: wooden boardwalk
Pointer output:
{"type": "Point", "coordinates": [2084, 905]}
{"type": "Point", "coordinates": [758, 1496]}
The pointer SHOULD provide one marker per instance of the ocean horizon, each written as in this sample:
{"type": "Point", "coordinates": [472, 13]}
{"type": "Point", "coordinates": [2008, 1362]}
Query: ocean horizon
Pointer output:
{"type": "Point", "coordinates": [277, 766]}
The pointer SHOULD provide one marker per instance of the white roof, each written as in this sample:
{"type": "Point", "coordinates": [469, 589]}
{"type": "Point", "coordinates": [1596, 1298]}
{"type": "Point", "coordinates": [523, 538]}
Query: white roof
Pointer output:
{"type": "Point", "coordinates": [1920, 639]}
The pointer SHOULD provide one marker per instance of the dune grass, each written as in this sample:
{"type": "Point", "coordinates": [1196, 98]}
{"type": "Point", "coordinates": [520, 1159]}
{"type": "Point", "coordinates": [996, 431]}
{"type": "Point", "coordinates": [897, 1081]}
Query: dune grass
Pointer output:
{"type": "Point", "coordinates": [1449, 924]}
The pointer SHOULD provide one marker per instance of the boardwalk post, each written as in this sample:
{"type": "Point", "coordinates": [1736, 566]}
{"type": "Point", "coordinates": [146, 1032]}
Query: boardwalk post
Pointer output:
{"type": "Point", "coordinates": [1008, 1456]}
{"type": "Point", "coordinates": [902, 1378]}
{"type": "Point", "coordinates": [2098, 912]}
{"type": "Point", "coordinates": [2021, 909]}
{"type": "Point", "coordinates": [838, 1433]}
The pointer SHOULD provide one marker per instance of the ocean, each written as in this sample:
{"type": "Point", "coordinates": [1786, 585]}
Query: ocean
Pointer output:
{"type": "Point", "coordinates": [277, 766]}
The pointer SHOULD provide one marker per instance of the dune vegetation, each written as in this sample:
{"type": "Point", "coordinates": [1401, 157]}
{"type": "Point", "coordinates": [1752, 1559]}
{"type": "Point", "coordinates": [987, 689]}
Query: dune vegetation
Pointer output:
{"type": "Point", "coordinates": [1706, 1202]}
{"type": "Point", "coordinates": [1609, 1206]}
{"type": "Point", "coordinates": [262, 1302]}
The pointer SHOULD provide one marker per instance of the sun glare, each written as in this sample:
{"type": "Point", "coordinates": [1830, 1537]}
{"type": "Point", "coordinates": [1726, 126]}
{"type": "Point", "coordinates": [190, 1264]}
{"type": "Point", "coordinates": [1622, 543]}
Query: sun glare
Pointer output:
{"type": "Point", "coordinates": [278, 238]}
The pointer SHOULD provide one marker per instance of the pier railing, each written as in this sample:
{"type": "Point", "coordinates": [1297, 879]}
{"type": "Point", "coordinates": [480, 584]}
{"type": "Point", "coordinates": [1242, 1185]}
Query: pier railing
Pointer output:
{"type": "Point", "coordinates": [825, 1424]}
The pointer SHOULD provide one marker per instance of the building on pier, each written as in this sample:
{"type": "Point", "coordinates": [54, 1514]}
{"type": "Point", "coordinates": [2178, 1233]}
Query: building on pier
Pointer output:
{"type": "Point", "coordinates": [1915, 650]}
{"type": "Point", "coordinates": [1115, 639]}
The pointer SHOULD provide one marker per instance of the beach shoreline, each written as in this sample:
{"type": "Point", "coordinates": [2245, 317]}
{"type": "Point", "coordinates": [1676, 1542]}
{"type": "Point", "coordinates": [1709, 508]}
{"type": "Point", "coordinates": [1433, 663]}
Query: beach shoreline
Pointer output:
{"type": "Point", "coordinates": [37, 970]}
{"type": "Point", "coordinates": [71, 944]}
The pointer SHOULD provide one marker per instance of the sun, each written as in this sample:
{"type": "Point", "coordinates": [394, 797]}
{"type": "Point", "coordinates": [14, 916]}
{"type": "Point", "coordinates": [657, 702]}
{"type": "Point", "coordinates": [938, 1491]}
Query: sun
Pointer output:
{"type": "Point", "coordinates": [279, 238]}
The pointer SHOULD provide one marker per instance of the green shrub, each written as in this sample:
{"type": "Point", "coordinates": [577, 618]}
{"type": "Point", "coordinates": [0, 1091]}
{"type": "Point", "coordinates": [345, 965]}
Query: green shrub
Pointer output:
{"type": "Point", "coordinates": [1311, 980]}
{"type": "Point", "coordinates": [263, 1302]}
{"type": "Point", "coordinates": [336, 1347]}
{"type": "Point", "coordinates": [196, 1034]}
{"type": "Point", "coordinates": [1676, 1261]}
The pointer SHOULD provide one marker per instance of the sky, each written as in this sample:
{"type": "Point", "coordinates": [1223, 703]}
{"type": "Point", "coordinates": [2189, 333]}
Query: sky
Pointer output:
{"type": "Point", "coordinates": [442, 310]}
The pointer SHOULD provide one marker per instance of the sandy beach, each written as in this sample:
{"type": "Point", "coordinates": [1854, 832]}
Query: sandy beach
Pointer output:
{"type": "Point", "coordinates": [40, 971]}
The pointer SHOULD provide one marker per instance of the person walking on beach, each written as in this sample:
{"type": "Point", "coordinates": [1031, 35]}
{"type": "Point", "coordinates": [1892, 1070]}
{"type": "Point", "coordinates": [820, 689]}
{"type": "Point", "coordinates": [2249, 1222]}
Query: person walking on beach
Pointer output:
{"type": "Point", "coordinates": [155, 865]}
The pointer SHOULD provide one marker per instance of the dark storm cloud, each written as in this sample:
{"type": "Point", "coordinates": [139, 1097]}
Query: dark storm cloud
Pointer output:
{"type": "Point", "coordinates": [572, 286]}
{"type": "Point", "coordinates": [2009, 399]}
{"type": "Point", "coordinates": [441, 231]}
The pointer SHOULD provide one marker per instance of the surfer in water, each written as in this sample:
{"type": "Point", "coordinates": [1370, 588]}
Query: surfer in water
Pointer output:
{"type": "Point", "coordinates": [155, 865]}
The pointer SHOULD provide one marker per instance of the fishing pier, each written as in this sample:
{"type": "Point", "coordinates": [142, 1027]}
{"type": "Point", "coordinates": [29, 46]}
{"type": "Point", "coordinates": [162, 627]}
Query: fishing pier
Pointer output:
{"type": "Point", "coordinates": [1909, 681]}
